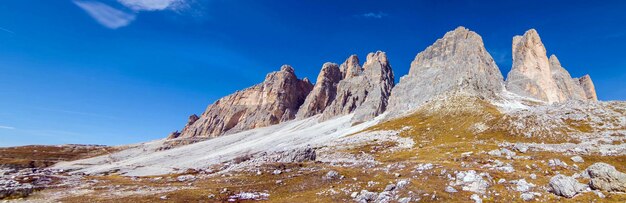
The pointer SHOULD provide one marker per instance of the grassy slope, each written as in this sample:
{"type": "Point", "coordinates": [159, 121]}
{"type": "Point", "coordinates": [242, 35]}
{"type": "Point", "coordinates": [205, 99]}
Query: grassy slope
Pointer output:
{"type": "Point", "coordinates": [440, 136]}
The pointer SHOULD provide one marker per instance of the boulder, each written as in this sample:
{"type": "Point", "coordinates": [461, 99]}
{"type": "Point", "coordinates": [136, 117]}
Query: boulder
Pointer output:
{"type": "Point", "coordinates": [606, 178]}
{"type": "Point", "coordinates": [565, 186]}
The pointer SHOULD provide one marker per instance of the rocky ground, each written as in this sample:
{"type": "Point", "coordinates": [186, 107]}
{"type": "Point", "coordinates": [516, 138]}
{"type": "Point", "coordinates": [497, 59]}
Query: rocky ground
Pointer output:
{"type": "Point", "coordinates": [460, 154]}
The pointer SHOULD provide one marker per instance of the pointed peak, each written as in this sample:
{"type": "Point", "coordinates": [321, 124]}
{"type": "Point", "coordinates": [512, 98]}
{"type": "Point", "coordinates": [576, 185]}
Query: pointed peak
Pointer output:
{"type": "Point", "coordinates": [306, 80]}
{"type": "Point", "coordinates": [329, 65]}
{"type": "Point", "coordinates": [286, 68]}
{"type": "Point", "coordinates": [351, 67]}
{"type": "Point", "coordinates": [462, 33]}
{"type": "Point", "coordinates": [532, 35]}
{"type": "Point", "coordinates": [554, 60]}
{"type": "Point", "coordinates": [378, 56]}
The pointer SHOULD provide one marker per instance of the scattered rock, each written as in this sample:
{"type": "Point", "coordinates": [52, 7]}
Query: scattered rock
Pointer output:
{"type": "Point", "coordinates": [249, 196]}
{"type": "Point", "coordinates": [606, 178]}
{"type": "Point", "coordinates": [472, 181]}
{"type": "Point", "coordinates": [522, 186]}
{"type": "Point", "coordinates": [331, 175]}
{"type": "Point", "coordinates": [565, 186]}
{"type": "Point", "coordinates": [390, 187]}
{"type": "Point", "coordinates": [366, 196]}
{"type": "Point", "coordinates": [450, 189]}
{"type": "Point", "coordinates": [577, 159]}
{"type": "Point", "coordinates": [556, 163]}
{"type": "Point", "coordinates": [527, 196]}
{"type": "Point", "coordinates": [521, 147]}
{"type": "Point", "coordinates": [277, 172]}
{"type": "Point", "coordinates": [476, 198]}
{"type": "Point", "coordinates": [185, 178]}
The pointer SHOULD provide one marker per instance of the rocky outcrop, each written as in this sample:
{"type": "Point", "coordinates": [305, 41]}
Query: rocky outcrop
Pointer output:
{"type": "Point", "coordinates": [534, 75]}
{"type": "Point", "coordinates": [364, 94]}
{"type": "Point", "coordinates": [323, 92]}
{"type": "Point", "coordinates": [531, 75]}
{"type": "Point", "coordinates": [588, 87]}
{"type": "Point", "coordinates": [275, 100]}
{"type": "Point", "coordinates": [458, 62]}
{"type": "Point", "coordinates": [569, 88]}
{"type": "Point", "coordinates": [606, 178]}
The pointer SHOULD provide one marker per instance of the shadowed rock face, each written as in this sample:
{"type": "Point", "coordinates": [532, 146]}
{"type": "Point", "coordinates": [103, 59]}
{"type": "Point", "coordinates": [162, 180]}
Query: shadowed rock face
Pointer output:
{"type": "Point", "coordinates": [364, 94]}
{"type": "Point", "coordinates": [275, 100]}
{"type": "Point", "coordinates": [323, 92]}
{"type": "Point", "coordinates": [569, 88]}
{"type": "Point", "coordinates": [588, 87]}
{"type": "Point", "coordinates": [458, 62]}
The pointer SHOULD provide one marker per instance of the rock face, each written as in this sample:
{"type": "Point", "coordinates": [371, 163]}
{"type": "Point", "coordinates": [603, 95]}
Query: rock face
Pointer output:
{"type": "Point", "coordinates": [275, 100]}
{"type": "Point", "coordinates": [605, 177]}
{"type": "Point", "coordinates": [588, 87]}
{"type": "Point", "coordinates": [570, 89]}
{"type": "Point", "coordinates": [364, 94]}
{"type": "Point", "coordinates": [534, 75]}
{"type": "Point", "coordinates": [531, 75]}
{"type": "Point", "coordinates": [323, 92]}
{"type": "Point", "coordinates": [456, 62]}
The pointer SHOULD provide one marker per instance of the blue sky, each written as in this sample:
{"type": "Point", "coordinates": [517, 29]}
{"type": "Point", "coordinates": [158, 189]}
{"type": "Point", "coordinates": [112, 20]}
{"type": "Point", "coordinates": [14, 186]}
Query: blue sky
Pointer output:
{"type": "Point", "coordinates": [125, 71]}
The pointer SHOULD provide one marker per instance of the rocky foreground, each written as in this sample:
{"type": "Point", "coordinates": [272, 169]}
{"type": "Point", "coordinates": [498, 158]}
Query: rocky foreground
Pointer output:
{"type": "Point", "coordinates": [452, 130]}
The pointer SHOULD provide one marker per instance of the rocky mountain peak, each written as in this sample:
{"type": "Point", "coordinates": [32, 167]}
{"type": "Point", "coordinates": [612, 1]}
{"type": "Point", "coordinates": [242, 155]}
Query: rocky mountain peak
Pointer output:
{"type": "Point", "coordinates": [351, 68]}
{"type": "Point", "coordinates": [323, 92]}
{"type": "Point", "coordinates": [531, 74]}
{"type": "Point", "coordinates": [287, 68]}
{"type": "Point", "coordinates": [364, 94]}
{"type": "Point", "coordinates": [458, 62]}
{"type": "Point", "coordinates": [275, 100]}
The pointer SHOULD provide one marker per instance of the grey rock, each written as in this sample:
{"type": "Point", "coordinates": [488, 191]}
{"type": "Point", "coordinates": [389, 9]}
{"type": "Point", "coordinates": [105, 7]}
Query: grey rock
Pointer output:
{"type": "Point", "coordinates": [366, 196]}
{"type": "Point", "coordinates": [323, 92]}
{"type": "Point", "coordinates": [296, 155]}
{"type": "Point", "coordinates": [522, 186]}
{"type": "Point", "coordinates": [472, 181]}
{"type": "Point", "coordinates": [366, 94]}
{"type": "Point", "coordinates": [351, 68]}
{"type": "Point", "coordinates": [450, 189]}
{"type": "Point", "coordinates": [275, 100]}
{"type": "Point", "coordinates": [458, 62]}
{"type": "Point", "coordinates": [606, 178]}
{"type": "Point", "coordinates": [565, 186]}
{"type": "Point", "coordinates": [390, 187]}
{"type": "Point", "coordinates": [331, 175]}
{"type": "Point", "coordinates": [527, 196]}
{"type": "Point", "coordinates": [556, 163]}
{"type": "Point", "coordinates": [577, 159]}
{"type": "Point", "coordinates": [476, 198]}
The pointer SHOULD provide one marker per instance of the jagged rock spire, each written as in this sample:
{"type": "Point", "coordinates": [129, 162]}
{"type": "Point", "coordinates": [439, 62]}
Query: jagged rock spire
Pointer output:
{"type": "Point", "coordinates": [364, 94]}
{"type": "Point", "coordinates": [531, 75]}
{"type": "Point", "coordinates": [323, 92]}
{"type": "Point", "coordinates": [458, 62]}
{"type": "Point", "coordinates": [351, 68]}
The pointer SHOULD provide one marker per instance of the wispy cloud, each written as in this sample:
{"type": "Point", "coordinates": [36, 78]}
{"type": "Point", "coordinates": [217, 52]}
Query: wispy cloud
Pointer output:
{"type": "Point", "coordinates": [153, 5]}
{"type": "Point", "coordinates": [106, 15]}
{"type": "Point", "coordinates": [7, 30]}
{"type": "Point", "coordinates": [375, 15]}
{"type": "Point", "coordinates": [7, 127]}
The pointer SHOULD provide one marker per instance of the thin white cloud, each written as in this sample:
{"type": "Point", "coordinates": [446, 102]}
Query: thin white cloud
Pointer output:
{"type": "Point", "coordinates": [153, 5]}
{"type": "Point", "coordinates": [6, 30]}
{"type": "Point", "coordinates": [106, 15]}
{"type": "Point", "coordinates": [378, 15]}
{"type": "Point", "coordinates": [7, 127]}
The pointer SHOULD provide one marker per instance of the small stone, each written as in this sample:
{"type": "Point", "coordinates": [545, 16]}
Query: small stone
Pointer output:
{"type": "Point", "coordinates": [390, 187]}
{"type": "Point", "coordinates": [277, 172]}
{"type": "Point", "coordinates": [577, 159]}
{"type": "Point", "coordinates": [354, 194]}
{"type": "Point", "coordinates": [164, 197]}
{"type": "Point", "coordinates": [527, 196]}
{"type": "Point", "coordinates": [331, 175]}
{"type": "Point", "coordinates": [556, 163]}
{"type": "Point", "coordinates": [450, 189]}
{"type": "Point", "coordinates": [502, 180]}
{"type": "Point", "coordinates": [476, 198]}
{"type": "Point", "coordinates": [404, 200]}
{"type": "Point", "coordinates": [533, 176]}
